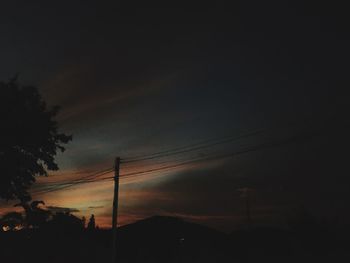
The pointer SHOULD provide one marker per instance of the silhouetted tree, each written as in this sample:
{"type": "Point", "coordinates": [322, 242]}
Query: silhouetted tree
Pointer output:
{"type": "Point", "coordinates": [11, 221]}
{"type": "Point", "coordinates": [65, 222]}
{"type": "Point", "coordinates": [29, 139]}
{"type": "Point", "coordinates": [92, 223]}
{"type": "Point", "coordinates": [34, 215]}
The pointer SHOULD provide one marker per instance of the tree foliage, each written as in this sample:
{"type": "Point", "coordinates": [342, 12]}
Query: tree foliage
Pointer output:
{"type": "Point", "coordinates": [65, 222]}
{"type": "Point", "coordinates": [35, 216]}
{"type": "Point", "coordinates": [29, 139]}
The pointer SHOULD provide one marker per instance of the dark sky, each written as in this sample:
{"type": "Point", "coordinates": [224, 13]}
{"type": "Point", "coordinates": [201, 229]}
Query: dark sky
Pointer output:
{"type": "Point", "coordinates": [136, 79]}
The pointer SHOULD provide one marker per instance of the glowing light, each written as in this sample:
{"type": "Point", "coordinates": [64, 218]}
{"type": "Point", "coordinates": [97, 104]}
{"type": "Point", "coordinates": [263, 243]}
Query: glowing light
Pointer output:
{"type": "Point", "coordinates": [6, 228]}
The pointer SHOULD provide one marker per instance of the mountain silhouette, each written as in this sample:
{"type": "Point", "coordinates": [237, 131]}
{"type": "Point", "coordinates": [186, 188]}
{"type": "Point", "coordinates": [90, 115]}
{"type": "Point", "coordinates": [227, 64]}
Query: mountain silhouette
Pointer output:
{"type": "Point", "coordinates": [163, 238]}
{"type": "Point", "coordinates": [170, 239]}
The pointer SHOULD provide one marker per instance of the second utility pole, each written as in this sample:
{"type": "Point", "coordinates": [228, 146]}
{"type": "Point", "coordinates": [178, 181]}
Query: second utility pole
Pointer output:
{"type": "Point", "coordinates": [115, 209]}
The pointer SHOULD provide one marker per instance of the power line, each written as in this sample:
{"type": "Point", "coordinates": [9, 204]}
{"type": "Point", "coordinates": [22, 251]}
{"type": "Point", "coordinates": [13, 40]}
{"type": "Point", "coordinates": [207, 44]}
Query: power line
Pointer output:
{"type": "Point", "coordinates": [58, 184]}
{"type": "Point", "coordinates": [127, 175]}
{"type": "Point", "coordinates": [95, 177]}
{"type": "Point", "coordinates": [96, 174]}
{"type": "Point", "coordinates": [210, 158]}
{"type": "Point", "coordinates": [197, 146]}
{"type": "Point", "coordinates": [88, 177]}
{"type": "Point", "coordinates": [63, 185]}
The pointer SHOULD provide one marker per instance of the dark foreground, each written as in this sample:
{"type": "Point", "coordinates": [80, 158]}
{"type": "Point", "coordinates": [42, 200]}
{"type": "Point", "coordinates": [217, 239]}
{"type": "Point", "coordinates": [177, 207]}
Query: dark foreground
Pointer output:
{"type": "Point", "coordinates": [163, 239]}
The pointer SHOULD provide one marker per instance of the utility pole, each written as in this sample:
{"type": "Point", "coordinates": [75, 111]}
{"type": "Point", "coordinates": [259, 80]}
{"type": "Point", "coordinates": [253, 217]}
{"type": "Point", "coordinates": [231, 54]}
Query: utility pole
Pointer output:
{"type": "Point", "coordinates": [115, 209]}
{"type": "Point", "coordinates": [247, 203]}
{"type": "Point", "coordinates": [246, 194]}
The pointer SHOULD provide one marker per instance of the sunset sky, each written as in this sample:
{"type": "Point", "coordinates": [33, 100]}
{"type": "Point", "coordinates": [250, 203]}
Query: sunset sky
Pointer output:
{"type": "Point", "coordinates": [136, 80]}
